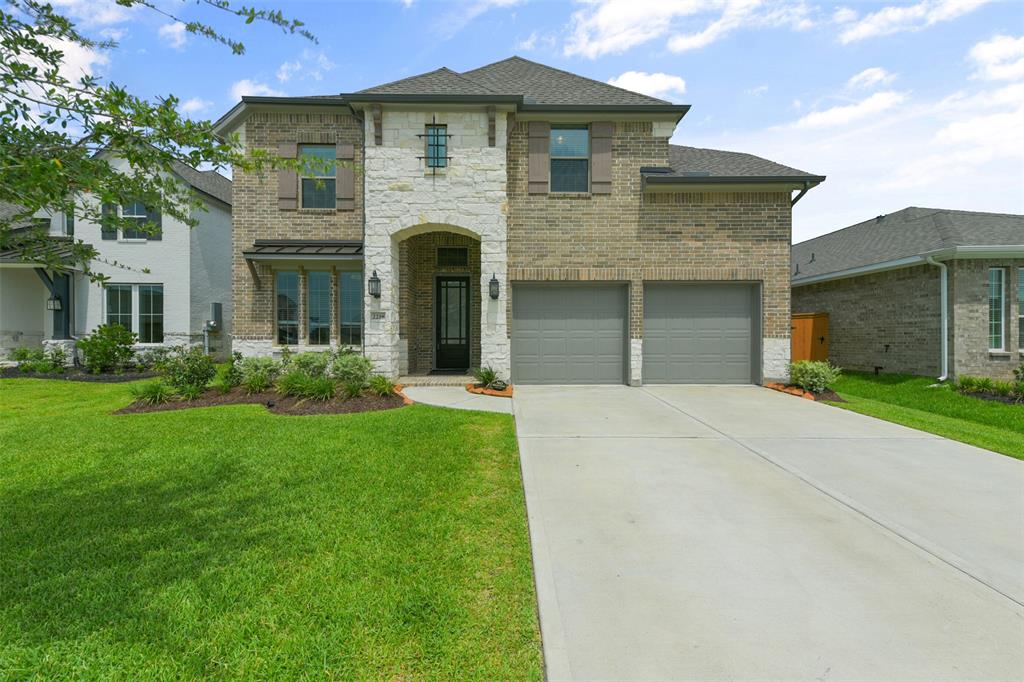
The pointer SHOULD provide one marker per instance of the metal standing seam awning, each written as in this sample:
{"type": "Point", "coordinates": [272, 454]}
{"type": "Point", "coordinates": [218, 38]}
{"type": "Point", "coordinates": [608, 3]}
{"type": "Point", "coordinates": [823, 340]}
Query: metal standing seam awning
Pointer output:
{"type": "Point", "coordinates": [300, 249]}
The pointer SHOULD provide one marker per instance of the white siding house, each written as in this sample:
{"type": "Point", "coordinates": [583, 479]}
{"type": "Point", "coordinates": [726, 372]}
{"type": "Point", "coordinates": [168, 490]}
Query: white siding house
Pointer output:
{"type": "Point", "coordinates": [161, 286]}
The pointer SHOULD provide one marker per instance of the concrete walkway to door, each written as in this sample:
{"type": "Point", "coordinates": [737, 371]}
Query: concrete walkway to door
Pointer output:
{"type": "Point", "coordinates": [697, 532]}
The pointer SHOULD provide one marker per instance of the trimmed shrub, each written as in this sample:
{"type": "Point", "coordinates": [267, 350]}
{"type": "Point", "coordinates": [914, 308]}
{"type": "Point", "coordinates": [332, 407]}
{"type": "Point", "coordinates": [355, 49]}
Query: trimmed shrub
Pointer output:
{"type": "Point", "coordinates": [39, 361]}
{"type": "Point", "coordinates": [153, 358]}
{"type": "Point", "coordinates": [233, 373]}
{"type": "Point", "coordinates": [188, 368]}
{"type": "Point", "coordinates": [813, 376]}
{"type": "Point", "coordinates": [381, 385]}
{"type": "Point", "coordinates": [349, 367]}
{"type": "Point", "coordinates": [294, 383]}
{"type": "Point", "coordinates": [313, 364]}
{"type": "Point", "coordinates": [352, 389]}
{"type": "Point", "coordinates": [107, 349]}
{"type": "Point", "coordinates": [257, 382]}
{"type": "Point", "coordinates": [26, 354]}
{"type": "Point", "coordinates": [152, 392]}
{"type": "Point", "coordinates": [320, 388]}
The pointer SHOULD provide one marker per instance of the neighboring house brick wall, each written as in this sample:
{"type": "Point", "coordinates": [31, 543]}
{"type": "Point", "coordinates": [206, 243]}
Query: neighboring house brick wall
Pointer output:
{"type": "Point", "coordinates": [887, 319]}
{"type": "Point", "coordinates": [256, 214]}
{"type": "Point", "coordinates": [625, 236]}
{"type": "Point", "coordinates": [969, 298]}
{"type": "Point", "coordinates": [418, 267]}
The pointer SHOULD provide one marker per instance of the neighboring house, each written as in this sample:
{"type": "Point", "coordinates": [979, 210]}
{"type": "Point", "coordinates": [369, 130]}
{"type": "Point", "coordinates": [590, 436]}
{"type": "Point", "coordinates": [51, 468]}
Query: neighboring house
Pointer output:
{"type": "Point", "coordinates": [514, 216]}
{"type": "Point", "coordinates": [161, 285]}
{"type": "Point", "coordinates": [881, 283]}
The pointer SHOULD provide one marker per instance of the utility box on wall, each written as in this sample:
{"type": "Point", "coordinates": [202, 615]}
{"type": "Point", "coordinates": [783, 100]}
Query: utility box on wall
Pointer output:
{"type": "Point", "coordinates": [809, 336]}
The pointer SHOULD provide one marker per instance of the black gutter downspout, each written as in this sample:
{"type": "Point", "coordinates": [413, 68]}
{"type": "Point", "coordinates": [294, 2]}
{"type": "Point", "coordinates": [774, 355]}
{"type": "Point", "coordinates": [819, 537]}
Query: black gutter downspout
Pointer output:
{"type": "Point", "coordinates": [59, 288]}
{"type": "Point", "coordinates": [798, 197]}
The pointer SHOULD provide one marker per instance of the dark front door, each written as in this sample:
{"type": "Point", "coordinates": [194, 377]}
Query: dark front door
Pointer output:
{"type": "Point", "coordinates": [451, 311]}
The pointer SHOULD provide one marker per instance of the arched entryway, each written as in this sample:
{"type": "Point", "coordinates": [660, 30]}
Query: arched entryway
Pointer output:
{"type": "Point", "coordinates": [439, 302]}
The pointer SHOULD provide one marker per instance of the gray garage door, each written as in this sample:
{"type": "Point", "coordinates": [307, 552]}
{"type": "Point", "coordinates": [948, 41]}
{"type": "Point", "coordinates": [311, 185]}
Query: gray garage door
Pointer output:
{"type": "Point", "coordinates": [699, 333]}
{"type": "Point", "coordinates": [568, 333]}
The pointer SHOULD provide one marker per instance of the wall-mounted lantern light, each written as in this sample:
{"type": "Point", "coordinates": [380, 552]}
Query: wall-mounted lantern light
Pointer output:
{"type": "Point", "coordinates": [53, 303]}
{"type": "Point", "coordinates": [494, 287]}
{"type": "Point", "coordinates": [374, 285]}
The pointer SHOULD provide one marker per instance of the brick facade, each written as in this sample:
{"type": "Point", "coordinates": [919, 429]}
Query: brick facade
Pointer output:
{"type": "Point", "coordinates": [255, 213]}
{"type": "Point", "coordinates": [892, 319]}
{"type": "Point", "coordinates": [632, 237]}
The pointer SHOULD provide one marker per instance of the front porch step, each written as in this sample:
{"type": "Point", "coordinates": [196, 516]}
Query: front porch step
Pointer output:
{"type": "Point", "coordinates": [435, 380]}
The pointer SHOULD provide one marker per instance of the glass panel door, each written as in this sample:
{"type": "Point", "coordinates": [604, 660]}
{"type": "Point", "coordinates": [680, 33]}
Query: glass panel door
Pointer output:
{"type": "Point", "coordinates": [452, 325]}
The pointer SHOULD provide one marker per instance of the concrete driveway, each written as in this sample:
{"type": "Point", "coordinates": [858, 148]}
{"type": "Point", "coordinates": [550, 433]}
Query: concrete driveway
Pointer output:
{"type": "Point", "coordinates": [697, 532]}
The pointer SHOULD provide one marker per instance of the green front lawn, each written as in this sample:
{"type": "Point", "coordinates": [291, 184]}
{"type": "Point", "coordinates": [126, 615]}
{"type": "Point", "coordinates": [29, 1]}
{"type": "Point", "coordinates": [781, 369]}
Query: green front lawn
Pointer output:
{"type": "Point", "coordinates": [230, 542]}
{"type": "Point", "coordinates": [908, 400]}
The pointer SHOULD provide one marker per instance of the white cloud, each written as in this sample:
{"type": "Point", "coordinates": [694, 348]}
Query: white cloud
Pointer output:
{"type": "Point", "coordinates": [92, 13]}
{"type": "Point", "coordinates": [451, 23]}
{"type": "Point", "coordinates": [285, 71]}
{"type": "Point", "coordinates": [194, 105]}
{"type": "Point", "coordinates": [251, 87]}
{"type": "Point", "coordinates": [529, 43]}
{"type": "Point", "coordinates": [757, 91]}
{"type": "Point", "coordinates": [844, 15]}
{"type": "Point", "coordinates": [895, 19]}
{"type": "Point", "coordinates": [849, 113]}
{"type": "Point", "coordinates": [1001, 58]}
{"type": "Point", "coordinates": [662, 85]}
{"type": "Point", "coordinates": [614, 26]}
{"type": "Point", "coordinates": [174, 34]}
{"type": "Point", "coordinates": [868, 78]}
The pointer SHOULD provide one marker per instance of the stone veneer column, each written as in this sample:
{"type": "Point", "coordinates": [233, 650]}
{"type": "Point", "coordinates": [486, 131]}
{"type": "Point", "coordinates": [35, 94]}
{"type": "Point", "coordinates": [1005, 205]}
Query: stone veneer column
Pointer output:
{"type": "Point", "coordinates": [494, 340]}
{"type": "Point", "coordinates": [380, 332]}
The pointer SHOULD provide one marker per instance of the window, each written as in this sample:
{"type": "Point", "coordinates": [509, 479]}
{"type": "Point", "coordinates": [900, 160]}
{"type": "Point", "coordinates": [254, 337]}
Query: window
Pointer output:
{"type": "Point", "coordinates": [109, 212]}
{"type": "Point", "coordinates": [318, 305]}
{"type": "Point", "coordinates": [147, 220]}
{"type": "Point", "coordinates": [570, 159]}
{"type": "Point", "coordinates": [437, 146]}
{"type": "Point", "coordinates": [1020, 309]}
{"type": "Point", "coordinates": [151, 313]}
{"type": "Point", "coordinates": [287, 308]}
{"type": "Point", "coordinates": [351, 300]}
{"type": "Point", "coordinates": [119, 305]}
{"type": "Point", "coordinates": [457, 257]}
{"type": "Point", "coordinates": [317, 181]}
{"type": "Point", "coordinates": [996, 308]}
{"type": "Point", "coordinates": [69, 222]}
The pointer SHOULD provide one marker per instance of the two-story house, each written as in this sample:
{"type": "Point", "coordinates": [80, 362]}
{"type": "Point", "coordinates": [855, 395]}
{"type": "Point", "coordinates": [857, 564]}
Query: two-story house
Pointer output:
{"type": "Point", "coordinates": [514, 216]}
{"type": "Point", "coordinates": [161, 284]}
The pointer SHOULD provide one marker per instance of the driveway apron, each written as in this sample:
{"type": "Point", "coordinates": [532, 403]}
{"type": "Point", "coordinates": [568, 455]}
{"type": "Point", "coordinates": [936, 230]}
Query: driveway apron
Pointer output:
{"type": "Point", "coordinates": [697, 532]}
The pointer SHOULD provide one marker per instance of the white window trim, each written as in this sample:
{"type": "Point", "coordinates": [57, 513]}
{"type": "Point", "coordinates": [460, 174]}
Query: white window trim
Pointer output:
{"type": "Point", "coordinates": [1002, 306]}
{"type": "Point", "coordinates": [136, 306]}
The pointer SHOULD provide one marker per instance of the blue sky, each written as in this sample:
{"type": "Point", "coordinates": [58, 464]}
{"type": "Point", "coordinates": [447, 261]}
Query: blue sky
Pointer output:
{"type": "Point", "coordinates": [898, 103]}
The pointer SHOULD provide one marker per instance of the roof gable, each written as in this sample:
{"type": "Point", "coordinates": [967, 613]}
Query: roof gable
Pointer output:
{"type": "Point", "coordinates": [441, 81]}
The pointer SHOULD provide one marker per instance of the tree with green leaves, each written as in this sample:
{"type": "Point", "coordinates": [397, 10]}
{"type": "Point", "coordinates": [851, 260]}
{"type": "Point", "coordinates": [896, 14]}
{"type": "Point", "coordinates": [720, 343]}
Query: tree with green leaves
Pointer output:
{"type": "Point", "coordinates": [59, 135]}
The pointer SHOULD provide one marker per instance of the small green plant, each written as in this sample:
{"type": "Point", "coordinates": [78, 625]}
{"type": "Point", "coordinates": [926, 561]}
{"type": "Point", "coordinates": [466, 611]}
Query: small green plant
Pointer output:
{"type": "Point", "coordinates": [36, 361]}
{"type": "Point", "coordinates": [814, 376]}
{"type": "Point", "coordinates": [294, 383]}
{"type": "Point", "coordinates": [107, 349]}
{"type": "Point", "coordinates": [1002, 388]}
{"type": "Point", "coordinates": [152, 392]}
{"type": "Point", "coordinates": [319, 388]}
{"type": "Point", "coordinates": [188, 368]}
{"type": "Point", "coordinates": [349, 367]}
{"type": "Point", "coordinates": [24, 353]}
{"type": "Point", "coordinates": [58, 357]}
{"type": "Point", "coordinates": [381, 385]}
{"type": "Point", "coordinates": [192, 392]}
{"type": "Point", "coordinates": [967, 384]}
{"type": "Point", "coordinates": [221, 386]}
{"type": "Point", "coordinates": [153, 358]}
{"type": "Point", "coordinates": [313, 364]}
{"type": "Point", "coordinates": [286, 357]}
{"type": "Point", "coordinates": [485, 376]}
{"type": "Point", "coordinates": [1018, 383]}
{"type": "Point", "coordinates": [352, 389]}
{"type": "Point", "coordinates": [257, 382]}
{"type": "Point", "coordinates": [233, 373]}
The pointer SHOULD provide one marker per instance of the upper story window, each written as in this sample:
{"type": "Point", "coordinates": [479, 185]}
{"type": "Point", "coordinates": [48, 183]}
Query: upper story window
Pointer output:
{"type": "Point", "coordinates": [148, 221]}
{"type": "Point", "coordinates": [570, 158]}
{"type": "Point", "coordinates": [437, 145]}
{"type": "Point", "coordinates": [996, 308]}
{"type": "Point", "coordinates": [317, 179]}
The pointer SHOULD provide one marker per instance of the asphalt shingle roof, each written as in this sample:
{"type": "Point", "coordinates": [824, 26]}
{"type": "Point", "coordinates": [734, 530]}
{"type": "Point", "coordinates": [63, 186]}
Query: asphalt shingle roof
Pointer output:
{"type": "Point", "coordinates": [718, 163]}
{"type": "Point", "coordinates": [909, 232]}
{"type": "Point", "coordinates": [207, 182]}
{"type": "Point", "coordinates": [441, 81]}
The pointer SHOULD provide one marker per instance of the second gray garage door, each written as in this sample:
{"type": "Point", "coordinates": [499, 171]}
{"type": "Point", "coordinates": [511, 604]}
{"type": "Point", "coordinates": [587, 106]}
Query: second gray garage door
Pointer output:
{"type": "Point", "coordinates": [568, 333]}
{"type": "Point", "coordinates": [700, 333]}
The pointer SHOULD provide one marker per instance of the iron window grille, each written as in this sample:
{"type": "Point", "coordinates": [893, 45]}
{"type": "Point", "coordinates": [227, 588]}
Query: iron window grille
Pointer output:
{"type": "Point", "coordinates": [435, 145]}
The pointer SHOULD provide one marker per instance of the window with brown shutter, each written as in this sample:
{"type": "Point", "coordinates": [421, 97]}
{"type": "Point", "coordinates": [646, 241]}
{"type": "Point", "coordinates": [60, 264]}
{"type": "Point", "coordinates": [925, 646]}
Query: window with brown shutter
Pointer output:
{"type": "Point", "coordinates": [601, 156]}
{"type": "Point", "coordinates": [346, 187]}
{"type": "Point", "coordinates": [287, 178]}
{"type": "Point", "coordinates": [539, 157]}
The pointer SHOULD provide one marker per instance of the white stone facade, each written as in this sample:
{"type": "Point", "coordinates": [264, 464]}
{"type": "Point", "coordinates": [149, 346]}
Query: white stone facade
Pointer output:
{"type": "Point", "coordinates": [636, 362]}
{"type": "Point", "coordinates": [775, 358]}
{"type": "Point", "coordinates": [404, 198]}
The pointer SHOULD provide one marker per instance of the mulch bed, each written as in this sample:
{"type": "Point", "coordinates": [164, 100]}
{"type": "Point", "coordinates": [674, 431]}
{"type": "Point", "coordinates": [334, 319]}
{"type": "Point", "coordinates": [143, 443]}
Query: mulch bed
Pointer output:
{"type": "Point", "coordinates": [994, 397]}
{"type": "Point", "coordinates": [276, 403]}
{"type": "Point", "coordinates": [827, 395]}
{"type": "Point", "coordinates": [482, 390]}
{"type": "Point", "coordinates": [78, 374]}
